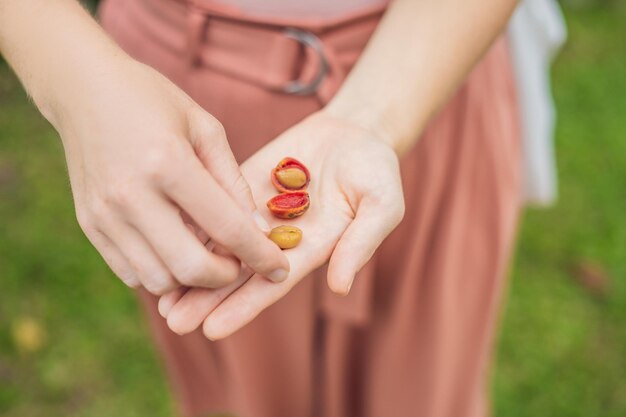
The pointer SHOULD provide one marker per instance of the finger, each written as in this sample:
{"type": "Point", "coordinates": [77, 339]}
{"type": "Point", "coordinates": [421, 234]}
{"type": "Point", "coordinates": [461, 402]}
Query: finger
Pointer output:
{"type": "Point", "coordinates": [195, 229]}
{"type": "Point", "coordinates": [149, 269]}
{"type": "Point", "coordinates": [114, 258]}
{"type": "Point", "coordinates": [178, 247]}
{"type": "Point", "coordinates": [195, 305]}
{"type": "Point", "coordinates": [226, 223]}
{"type": "Point", "coordinates": [208, 139]}
{"type": "Point", "coordinates": [167, 301]}
{"type": "Point", "coordinates": [243, 305]}
{"type": "Point", "coordinates": [372, 224]}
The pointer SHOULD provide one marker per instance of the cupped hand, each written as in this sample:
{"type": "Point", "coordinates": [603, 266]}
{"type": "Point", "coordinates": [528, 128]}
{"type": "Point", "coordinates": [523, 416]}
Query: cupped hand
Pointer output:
{"type": "Point", "coordinates": [150, 170]}
{"type": "Point", "coordinates": [356, 201]}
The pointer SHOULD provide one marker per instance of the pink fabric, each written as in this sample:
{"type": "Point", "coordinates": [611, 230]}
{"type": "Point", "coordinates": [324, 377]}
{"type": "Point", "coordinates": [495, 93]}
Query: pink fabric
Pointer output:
{"type": "Point", "coordinates": [413, 338]}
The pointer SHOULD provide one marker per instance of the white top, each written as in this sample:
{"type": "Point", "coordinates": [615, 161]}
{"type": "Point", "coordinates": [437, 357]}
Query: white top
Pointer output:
{"type": "Point", "coordinates": [537, 31]}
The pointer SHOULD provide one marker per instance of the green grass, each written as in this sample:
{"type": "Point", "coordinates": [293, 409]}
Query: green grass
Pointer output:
{"type": "Point", "coordinates": [562, 351]}
{"type": "Point", "coordinates": [97, 359]}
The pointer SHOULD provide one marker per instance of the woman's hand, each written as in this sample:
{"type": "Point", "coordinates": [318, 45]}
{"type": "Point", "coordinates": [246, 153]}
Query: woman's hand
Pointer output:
{"type": "Point", "coordinates": [146, 164]}
{"type": "Point", "coordinates": [148, 167]}
{"type": "Point", "coordinates": [356, 201]}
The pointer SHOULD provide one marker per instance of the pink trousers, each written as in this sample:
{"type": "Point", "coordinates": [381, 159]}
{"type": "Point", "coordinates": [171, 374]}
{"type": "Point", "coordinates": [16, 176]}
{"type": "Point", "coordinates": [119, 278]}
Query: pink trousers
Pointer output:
{"type": "Point", "coordinates": [413, 339]}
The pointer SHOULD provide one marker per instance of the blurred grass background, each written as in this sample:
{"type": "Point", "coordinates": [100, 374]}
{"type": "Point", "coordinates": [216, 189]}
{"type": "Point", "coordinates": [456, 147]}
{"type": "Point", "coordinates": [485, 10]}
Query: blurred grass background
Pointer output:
{"type": "Point", "coordinates": [71, 338]}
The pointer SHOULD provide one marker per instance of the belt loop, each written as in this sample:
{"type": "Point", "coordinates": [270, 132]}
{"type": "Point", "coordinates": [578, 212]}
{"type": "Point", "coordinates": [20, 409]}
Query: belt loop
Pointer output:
{"type": "Point", "coordinates": [197, 21]}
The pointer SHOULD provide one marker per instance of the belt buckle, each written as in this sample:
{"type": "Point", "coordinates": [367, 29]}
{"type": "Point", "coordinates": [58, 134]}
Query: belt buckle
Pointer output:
{"type": "Point", "coordinates": [307, 40]}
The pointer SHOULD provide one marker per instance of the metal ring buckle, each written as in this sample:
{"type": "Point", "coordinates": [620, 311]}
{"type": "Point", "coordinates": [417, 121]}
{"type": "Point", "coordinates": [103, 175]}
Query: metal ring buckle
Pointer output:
{"type": "Point", "coordinates": [307, 39]}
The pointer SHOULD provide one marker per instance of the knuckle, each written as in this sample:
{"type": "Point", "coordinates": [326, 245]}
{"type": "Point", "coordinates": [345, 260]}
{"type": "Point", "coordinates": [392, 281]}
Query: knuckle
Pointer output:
{"type": "Point", "coordinates": [194, 273]}
{"type": "Point", "coordinates": [160, 286]}
{"type": "Point", "coordinates": [98, 211]}
{"type": "Point", "coordinates": [155, 165]}
{"type": "Point", "coordinates": [233, 235]}
{"type": "Point", "coordinates": [213, 128]}
{"type": "Point", "coordinates": [130, 281]}
{"type": "Point", "coordinates": [122, 271]}
{"type": "Point", "coordinates": [208, 134]}
{"type": "Point", "coordinates": [92, 217]}
{"type": "Point", "coordinates": [158, 165]}
{"type": "Point", "coordinates": [85, 220]}
{"type": "Point", "coordinates": [267, 263]}
{"type": "Point", "coordinates": [241, 187]}
{"type": "Point", "coordinates": [120, 195]}
{"type": "Point", "coordinates": [204, 273]}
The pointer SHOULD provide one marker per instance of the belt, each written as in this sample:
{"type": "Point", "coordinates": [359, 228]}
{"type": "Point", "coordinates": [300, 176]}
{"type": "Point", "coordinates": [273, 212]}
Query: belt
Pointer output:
{"type": "Point", "coordinates": [304, 57]}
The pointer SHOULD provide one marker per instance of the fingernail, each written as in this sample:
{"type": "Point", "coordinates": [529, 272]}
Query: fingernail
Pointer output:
{"type": "Point", "coordinates": [260, 221]}
{"type": "Point", "coordinates": [278, 275]}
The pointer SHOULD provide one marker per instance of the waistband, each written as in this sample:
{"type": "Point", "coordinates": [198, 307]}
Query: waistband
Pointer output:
{"type": "Point", "coordinates": [283, 55]}
{"type": "Point", "coordinates": [315, 25]}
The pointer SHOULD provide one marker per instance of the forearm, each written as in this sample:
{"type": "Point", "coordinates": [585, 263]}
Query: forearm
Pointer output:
{"type": "Point", "coordinates": [419, 54]}
{"type": "Point", "coordinates": [56, 49]}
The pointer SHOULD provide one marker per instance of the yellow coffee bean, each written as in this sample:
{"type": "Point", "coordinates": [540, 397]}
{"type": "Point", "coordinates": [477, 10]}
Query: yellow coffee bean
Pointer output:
{"type": "Point", "coordinates": [286, 237]}
{"type": "Point", "coordinates": [292, 178]}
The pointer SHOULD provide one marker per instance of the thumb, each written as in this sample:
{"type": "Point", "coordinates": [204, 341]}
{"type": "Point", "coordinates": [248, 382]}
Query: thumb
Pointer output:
{"type": "Point", "coordinates": [209, 141]}
{"type": "Point", "coordinates": [372, 223]}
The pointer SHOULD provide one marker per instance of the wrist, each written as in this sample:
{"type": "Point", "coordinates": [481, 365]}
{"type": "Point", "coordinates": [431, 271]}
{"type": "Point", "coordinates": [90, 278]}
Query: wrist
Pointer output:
{"type": "Point", "coordinates": [68, 91]}
{"type": "Point", "coordinates": [57, 50]}
{"type": "Point", "coordinates": [372, 118]}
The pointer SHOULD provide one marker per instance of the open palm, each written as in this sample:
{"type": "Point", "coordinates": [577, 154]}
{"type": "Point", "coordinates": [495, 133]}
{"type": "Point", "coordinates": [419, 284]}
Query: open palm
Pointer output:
{"type": "Point", "coordinates": [356, 201]}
